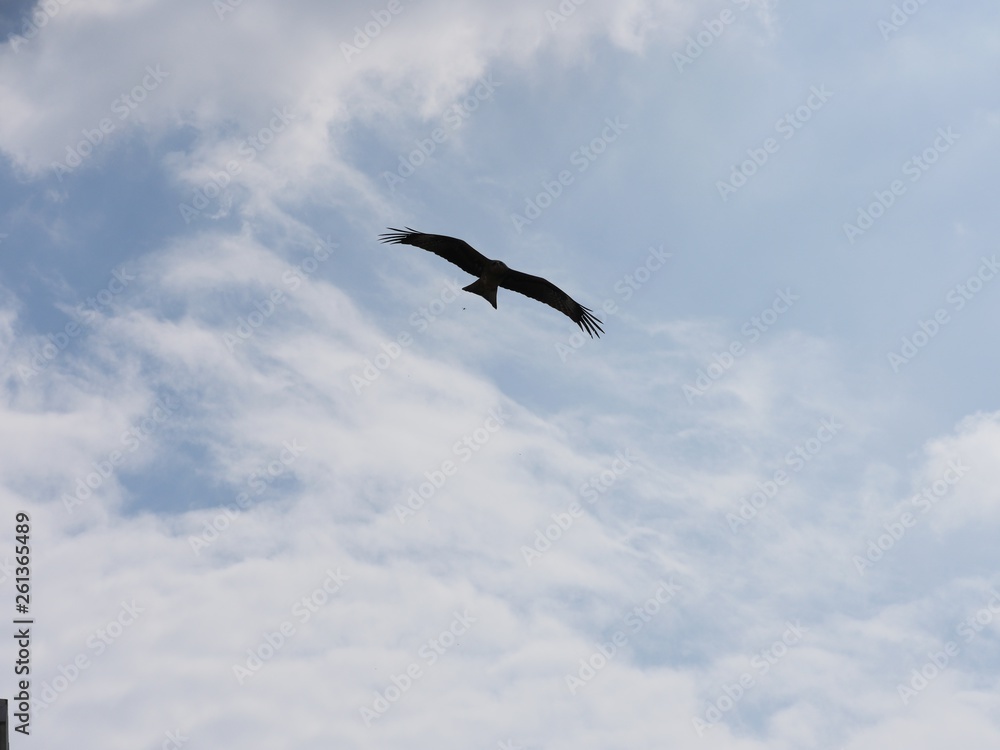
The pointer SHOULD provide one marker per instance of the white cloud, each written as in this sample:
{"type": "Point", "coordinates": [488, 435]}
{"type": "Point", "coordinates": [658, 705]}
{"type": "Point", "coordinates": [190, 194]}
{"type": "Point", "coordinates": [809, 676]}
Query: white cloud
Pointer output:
{"type": "Point", "coordinates": [332, 507]}
{"type": "Point", "coordinates": [314, 512]}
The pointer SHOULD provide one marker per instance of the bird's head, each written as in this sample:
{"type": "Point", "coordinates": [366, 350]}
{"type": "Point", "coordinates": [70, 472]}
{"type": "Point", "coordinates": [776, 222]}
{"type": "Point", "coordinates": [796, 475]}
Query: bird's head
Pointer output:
{"type": "Point", "coordinates": [498, 267]}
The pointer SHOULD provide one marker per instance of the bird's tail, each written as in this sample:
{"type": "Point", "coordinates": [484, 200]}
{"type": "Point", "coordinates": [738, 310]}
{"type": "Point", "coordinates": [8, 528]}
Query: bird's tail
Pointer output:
{"type": "Point", "coordinates": [485, 290]}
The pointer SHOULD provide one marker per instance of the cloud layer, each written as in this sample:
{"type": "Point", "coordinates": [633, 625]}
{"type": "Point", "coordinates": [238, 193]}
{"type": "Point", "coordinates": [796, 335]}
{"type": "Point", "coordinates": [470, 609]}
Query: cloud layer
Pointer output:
{"type": "Point", "coordinates": [286, 486]}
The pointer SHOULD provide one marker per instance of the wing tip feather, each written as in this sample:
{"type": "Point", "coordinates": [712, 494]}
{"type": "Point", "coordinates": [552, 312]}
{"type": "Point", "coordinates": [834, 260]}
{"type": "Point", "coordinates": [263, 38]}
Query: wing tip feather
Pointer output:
{"type": "Point", "coordinates": [398, 236]}
{"type": "Point", "coordinates": [589, 323]}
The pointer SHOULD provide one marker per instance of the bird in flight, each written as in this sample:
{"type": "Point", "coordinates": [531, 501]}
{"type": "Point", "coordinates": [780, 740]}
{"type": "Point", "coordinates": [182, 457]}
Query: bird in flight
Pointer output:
{"type": "Point", "coordinates": [495, 273]}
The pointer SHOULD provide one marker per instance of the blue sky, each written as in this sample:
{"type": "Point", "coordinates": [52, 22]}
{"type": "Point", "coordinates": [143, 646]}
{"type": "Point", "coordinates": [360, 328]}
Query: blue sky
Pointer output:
{"type": "Point", "coordinates": [286, 487]}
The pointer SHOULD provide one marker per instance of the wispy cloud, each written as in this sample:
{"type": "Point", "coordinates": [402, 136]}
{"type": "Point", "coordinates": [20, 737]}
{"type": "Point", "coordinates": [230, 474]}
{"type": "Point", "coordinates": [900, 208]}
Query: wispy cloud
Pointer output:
{"type": "Point", "coordinates": [291, 467]}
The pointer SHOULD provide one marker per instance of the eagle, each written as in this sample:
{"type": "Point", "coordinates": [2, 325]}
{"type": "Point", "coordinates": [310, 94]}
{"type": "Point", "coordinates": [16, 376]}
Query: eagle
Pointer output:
{"type": "Point", "coordinates": [495, 273]}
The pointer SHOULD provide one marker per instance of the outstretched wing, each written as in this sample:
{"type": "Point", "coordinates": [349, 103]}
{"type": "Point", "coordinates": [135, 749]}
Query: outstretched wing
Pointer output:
{"type": "Point", "coordinates": [545, 291]}
{"type": "Point", "coordinates": [452, 249]}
